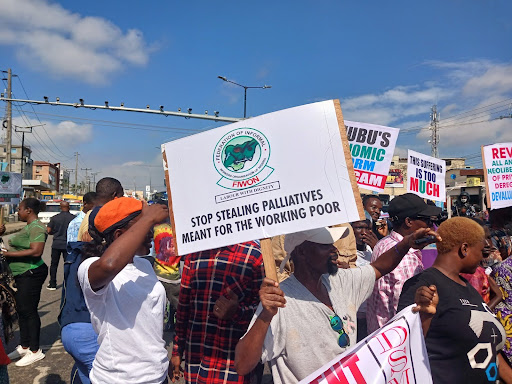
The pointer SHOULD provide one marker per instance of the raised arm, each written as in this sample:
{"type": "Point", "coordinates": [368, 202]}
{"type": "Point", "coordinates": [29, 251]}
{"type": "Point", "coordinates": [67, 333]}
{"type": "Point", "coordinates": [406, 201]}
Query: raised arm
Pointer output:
{"type": "Point", "coordinates": [390, 259]}
{"type": "Point", "coordinates": [249, 348]}
{"type": "Point", "coordinates": [121, 251]}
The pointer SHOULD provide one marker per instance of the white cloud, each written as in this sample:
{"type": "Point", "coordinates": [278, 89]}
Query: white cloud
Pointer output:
{"type": "Point", "coordinates": [132, 163]}
{"type": "Point", "coordinates": [497, 80]}
{"type": "Point", "coordinates": [470, 97]}
{"type": "Point", "coordinates": [66, 44]}
{"type": "Point", "coordinates": [52, 142]}
{"type": "Point", "coordinates": [393, 105]}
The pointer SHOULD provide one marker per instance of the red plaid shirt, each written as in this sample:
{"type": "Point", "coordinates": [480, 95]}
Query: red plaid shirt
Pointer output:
{"type": "Point", "coordinates": [206, 342]}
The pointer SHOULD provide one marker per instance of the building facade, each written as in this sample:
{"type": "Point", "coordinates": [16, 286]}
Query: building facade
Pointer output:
{"type": "Point", "coordinates": [48, 173]}
{"type": "Point", "coordinates": [21, 161]}
{"type": "Point", "coordinates": [64, 186]}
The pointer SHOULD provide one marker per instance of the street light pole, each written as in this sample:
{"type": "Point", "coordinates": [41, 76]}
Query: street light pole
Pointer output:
{"type": "Point", "coordinates": [245, 87]}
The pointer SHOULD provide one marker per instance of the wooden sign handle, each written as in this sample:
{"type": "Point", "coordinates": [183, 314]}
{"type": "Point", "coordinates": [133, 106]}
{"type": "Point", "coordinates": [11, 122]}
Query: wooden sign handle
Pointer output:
{"type": "Point", "coordinates": [268, 259]}
{"type": "Point", "coordinates": [1, 214]}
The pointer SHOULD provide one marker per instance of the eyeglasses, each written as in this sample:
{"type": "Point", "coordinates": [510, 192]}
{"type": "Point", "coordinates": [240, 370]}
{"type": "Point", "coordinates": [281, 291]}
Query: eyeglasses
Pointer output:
{"type": "Point", "coordinates": [337, 325]}
{"type": "Point", "coordinates": [426, 219]}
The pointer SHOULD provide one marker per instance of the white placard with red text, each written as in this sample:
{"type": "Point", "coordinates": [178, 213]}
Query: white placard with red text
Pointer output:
{"type": "Point", "coordinates": [498, 168]}
{"type": "Point", "coordinates": [426, 176]}
{"type": "Point", "coordinates": [372, 147]}
{"type": "Point", "coordinates": [395, 353]}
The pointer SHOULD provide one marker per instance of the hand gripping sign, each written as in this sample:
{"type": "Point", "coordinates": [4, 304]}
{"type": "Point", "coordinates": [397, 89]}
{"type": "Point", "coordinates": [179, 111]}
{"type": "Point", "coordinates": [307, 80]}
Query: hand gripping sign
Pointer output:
{"type": "Point", "coordinates": [393, 354]}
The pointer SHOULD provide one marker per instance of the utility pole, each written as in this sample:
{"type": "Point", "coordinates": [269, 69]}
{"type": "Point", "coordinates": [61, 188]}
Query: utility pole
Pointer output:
{"type": "Point", "coordinates": [70, 171]}
{"type": "Point", "coordinates": [9, 121]}
{"type": "Point", "coordinates": [24, 130]}
{"type": "Point", "coordinates": [76, 174]}
{"type": "Point", "coordinates": [87, 179]}
{"type": "Point", "coordinates": [94, 179]}
{"type": "Point", "coordinates": [434, 140]}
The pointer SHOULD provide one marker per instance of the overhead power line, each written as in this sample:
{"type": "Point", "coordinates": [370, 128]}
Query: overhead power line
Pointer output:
{"type": "Point", "coordinates": [119, 124]}
{"type": "Point", "coordinates": [472, 113]}
{"type": "Point", "coordinates": [40, 122]}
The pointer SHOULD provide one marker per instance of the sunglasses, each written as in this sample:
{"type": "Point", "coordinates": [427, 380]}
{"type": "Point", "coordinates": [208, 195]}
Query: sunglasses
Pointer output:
{"type": "Point", "coordinates": [426, 219]}
{"type": "Point", "coordinates": [337, 325]}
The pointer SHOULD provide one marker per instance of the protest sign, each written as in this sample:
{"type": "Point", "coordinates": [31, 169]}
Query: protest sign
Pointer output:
{"type": "Point", "coordinates": [10, 187]}
{"type": "Point", "coordinates": [395, 179]}
{"type": "Point", "coordinates": [274, 174]}
{"type": "Point", "coordinates": [393, 354]}
{"type": "Point", "coordinates": [371, 147]}
{"type": "Point", "coordinates": [426, 176]}
{"type": "Point", "coordinates": [497, 162]}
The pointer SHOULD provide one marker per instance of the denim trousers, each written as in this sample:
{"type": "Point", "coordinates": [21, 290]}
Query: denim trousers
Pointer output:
{"type": "Point", "coordinates": [81, 342]}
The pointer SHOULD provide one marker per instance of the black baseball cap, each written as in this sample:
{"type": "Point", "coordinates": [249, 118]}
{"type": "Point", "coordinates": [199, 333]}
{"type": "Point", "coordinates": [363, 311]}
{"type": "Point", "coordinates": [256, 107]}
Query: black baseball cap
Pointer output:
{"type": "Point", "coordinates": [411, 205]}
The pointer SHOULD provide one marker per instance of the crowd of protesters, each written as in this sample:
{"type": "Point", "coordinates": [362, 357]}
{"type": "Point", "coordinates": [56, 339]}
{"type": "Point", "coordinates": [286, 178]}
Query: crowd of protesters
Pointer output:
{"type": "Point", "coordinates": [336, 286]}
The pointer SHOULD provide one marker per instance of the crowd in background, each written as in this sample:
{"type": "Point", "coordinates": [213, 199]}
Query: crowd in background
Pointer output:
{"type": "Point", "coordinates": [336, 286]}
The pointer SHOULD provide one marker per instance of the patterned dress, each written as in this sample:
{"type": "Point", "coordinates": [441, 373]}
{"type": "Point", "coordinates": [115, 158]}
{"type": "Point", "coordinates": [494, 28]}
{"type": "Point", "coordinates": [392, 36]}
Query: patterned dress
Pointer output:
{"type": "Point", "coordinates": [502, 242]}
{"type": "Point", "coordinates": [503, 277]}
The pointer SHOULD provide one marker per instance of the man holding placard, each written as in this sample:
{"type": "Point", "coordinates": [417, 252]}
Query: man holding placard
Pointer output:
{"type": "Point", "coordinates": [409, 213]}
{"type": "Point", "coordinates": [313, 312]}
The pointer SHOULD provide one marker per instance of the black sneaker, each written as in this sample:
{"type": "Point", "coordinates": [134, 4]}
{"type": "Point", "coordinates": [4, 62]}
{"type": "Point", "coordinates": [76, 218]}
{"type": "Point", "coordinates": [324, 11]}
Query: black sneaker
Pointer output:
{"type": "Point", "coordinates": [51, 287]}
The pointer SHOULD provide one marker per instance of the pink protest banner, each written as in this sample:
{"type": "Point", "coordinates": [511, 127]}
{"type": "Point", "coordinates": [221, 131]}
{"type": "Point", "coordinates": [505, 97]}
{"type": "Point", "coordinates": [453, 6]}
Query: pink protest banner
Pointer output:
{"type": "Point", "coordinates": [394, 354]}
{"type": "Point", "coordinates": [497, 161]}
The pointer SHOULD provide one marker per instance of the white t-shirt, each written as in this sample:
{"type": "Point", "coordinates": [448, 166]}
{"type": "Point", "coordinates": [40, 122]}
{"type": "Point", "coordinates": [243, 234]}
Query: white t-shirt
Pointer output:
{"type": "Point", "coordinates": [127, 315]}
{"type": "Point", "coordinates": [300, 338]}
{"type": "Point", "coordinates": [363, 258]}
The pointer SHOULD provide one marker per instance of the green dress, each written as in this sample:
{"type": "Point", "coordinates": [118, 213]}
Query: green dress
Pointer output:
{"type": "Point", "coordinates": [35, 232]}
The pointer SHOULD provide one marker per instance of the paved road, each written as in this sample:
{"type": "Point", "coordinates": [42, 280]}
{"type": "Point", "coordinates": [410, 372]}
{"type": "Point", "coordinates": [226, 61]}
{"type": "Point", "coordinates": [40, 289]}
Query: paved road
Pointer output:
{"type": "Point", "coordinates": [55, 368]}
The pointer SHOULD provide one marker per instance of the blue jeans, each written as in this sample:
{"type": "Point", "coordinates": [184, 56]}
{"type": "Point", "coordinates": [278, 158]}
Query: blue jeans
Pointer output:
{"type": "Point", "coordinates": [81, 342]}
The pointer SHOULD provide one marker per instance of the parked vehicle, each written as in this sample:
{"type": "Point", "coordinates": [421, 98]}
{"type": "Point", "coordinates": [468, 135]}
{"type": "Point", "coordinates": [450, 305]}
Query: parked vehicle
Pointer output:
{"type": "Point", "coordinates": [53, 208]}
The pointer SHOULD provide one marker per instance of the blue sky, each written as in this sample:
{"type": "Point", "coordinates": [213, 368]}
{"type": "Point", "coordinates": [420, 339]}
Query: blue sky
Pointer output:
{"type": "Point", "coordinates": [388, 63]}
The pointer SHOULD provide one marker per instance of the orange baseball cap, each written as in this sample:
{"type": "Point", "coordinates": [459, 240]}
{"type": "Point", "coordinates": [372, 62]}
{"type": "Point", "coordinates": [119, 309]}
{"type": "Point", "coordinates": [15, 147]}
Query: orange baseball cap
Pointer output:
{"type": "Point", "coordinates": [116, 213]}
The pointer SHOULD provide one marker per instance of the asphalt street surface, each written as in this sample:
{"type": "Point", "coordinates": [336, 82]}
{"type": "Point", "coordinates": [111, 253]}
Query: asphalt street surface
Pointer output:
{"type": "Point", "coordinates": [55, 368]}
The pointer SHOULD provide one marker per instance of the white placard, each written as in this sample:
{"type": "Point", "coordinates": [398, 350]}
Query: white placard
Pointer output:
{"type": "Point", "coordinates": [426, 176]}
{"type": "Point", "coordinates": [375, 359]}
{"type": "Point", "coordinates": [273, 174]}
{"type": "Point", "coordinates": [10, 187]}
{"type": "Point", "coordinates": [498, 170]}
{"type": "Point", "coordinates": [372, 147]}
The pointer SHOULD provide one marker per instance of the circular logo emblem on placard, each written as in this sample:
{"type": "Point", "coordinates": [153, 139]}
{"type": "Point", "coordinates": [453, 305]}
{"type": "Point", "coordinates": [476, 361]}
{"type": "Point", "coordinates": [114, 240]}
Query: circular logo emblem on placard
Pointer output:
{"type": "Point", "coordinates": [241, 158]}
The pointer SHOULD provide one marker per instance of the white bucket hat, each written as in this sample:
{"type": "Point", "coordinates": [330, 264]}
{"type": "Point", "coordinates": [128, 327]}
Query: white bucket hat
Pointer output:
{"type": "Point", "coordinates": [324, 235]}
